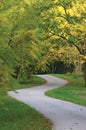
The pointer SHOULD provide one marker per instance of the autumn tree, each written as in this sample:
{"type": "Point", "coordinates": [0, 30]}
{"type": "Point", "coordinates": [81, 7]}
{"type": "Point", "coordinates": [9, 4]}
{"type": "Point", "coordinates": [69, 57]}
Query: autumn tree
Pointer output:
{"type": "Point", "coordinates": [66, 22]}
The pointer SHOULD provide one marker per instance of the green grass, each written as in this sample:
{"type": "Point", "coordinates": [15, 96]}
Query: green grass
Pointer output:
{"type": "Point", "coordinates": [33, 81]}
{"type": "Point", "coordinates": [15, 115]}
{"type": "Point", "coordinates": [74, 91]}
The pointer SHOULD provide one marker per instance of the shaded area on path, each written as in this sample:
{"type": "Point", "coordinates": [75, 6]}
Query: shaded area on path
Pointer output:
{"type": "Point", "coordinates": [64, 115]}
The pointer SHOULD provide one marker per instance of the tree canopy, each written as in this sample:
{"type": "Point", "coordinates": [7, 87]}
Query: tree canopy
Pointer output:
{"type": "Point", "coordinates": [35, 33]}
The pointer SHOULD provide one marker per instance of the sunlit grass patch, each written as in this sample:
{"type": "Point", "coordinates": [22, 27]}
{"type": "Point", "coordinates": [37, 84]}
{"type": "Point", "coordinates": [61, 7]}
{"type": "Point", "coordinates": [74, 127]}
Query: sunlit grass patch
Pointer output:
{"type": "Point", "coordinates": [74, 91]}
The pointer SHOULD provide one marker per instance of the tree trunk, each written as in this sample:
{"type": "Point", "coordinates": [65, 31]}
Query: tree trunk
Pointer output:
{"type": "Point", "coordinates": [1, 77]}
{"type": "Point", "coordinates": [84, 72]}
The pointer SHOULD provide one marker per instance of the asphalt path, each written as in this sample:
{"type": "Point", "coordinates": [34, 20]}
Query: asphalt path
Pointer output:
{"type": "Point", "coordinates": [64, 115]}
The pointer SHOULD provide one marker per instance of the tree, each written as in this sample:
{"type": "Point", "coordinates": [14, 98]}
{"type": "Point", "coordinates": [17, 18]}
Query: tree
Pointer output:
{"type": "Point", "coordinates": [7, 57]}
{"type": "Point", "coordinates": [10, 17]}
{"type": "Point", "coordinates": [21, 46]}
{"type": "Point", "coordinates": [66, 22]}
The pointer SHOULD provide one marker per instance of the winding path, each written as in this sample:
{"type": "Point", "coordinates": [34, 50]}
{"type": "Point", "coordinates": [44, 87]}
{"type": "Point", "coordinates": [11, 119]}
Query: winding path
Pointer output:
{"type": "Point", "coordinates": [64, 115]}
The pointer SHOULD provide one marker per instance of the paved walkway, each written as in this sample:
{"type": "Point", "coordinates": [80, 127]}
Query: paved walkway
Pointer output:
{"type": "Point", "coordinates": [64, 115]}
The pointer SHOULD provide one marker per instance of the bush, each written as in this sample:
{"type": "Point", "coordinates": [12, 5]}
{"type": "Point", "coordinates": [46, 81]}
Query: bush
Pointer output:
{"type": "Point", "coordinates": [4, 76]}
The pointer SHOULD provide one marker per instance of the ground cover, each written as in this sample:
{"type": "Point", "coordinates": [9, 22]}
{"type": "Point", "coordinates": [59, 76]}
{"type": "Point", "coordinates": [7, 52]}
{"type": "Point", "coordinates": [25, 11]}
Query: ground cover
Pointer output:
{"type": "Point", "coordinates": [15, 115]}
{"type": "Point", "coordinates": [74, 91]}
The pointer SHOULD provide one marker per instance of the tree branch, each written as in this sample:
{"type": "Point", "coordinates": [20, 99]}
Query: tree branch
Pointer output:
{"type": "Point", "coordinates": [78, 48]}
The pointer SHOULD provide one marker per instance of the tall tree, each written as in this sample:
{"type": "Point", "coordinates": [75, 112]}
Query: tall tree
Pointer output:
{"type": "Point", "coordinates": [21, 45]}
{"type": "Point", "coordinates": [66, 22]}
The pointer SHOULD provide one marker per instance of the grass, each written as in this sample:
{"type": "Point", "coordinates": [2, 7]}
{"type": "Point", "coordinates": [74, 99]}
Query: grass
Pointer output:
{"type": "Point", "coordinates": [74, 91]}
{"type": "Point", "coordinates": [15, 115]}
{"type": "Point", "coordinates": [33, 81]}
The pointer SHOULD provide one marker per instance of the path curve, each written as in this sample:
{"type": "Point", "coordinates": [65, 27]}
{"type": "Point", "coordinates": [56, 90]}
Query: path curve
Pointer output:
{"type": "Point", "coordinates": [64, 115]}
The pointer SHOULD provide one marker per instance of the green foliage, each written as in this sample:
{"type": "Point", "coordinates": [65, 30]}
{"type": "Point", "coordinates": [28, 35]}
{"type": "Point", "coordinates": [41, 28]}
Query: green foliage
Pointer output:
{"type": "Point", "coordinates": [5, 4]}
{"type": "Point", "coordinates": [66, 4]}
{"type": "Point", "coordinates": [63, 22]}
{"type": "Point", "coordinates": [28, 32]}
{"type": "Point", "coordinates": [21, 42]}
{"type": "Point", "coordinates": [4, 76]}
{"type": "Point", "coordinates": [7, 55]}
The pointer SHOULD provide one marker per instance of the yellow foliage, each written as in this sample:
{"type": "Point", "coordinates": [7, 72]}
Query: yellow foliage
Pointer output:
{"type": "Point", "coordinates": [3, 20]}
